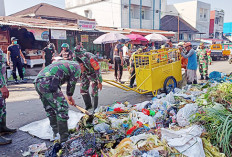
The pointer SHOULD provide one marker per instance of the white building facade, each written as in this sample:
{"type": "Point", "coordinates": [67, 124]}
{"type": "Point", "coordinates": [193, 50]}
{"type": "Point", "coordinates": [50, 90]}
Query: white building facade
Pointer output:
{"type": "Point", "coordinates": [2, 8]}
{"type": "Point", "coordinates": [216, 24]}
{"type": "Point", "coordinates": [139, 14]}
{"type": "Point", "coordinates": [196, 13]}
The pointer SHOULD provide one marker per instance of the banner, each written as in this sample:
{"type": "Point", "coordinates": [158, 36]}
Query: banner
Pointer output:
{"type": "Point", "coordinates": [39, 34]}
{"type": "Point", "coordinates": [84, 38]}
{"type": "Point", "coordinates": [58, 34]}
{"type": "Point", "coordinates": [87, 25]}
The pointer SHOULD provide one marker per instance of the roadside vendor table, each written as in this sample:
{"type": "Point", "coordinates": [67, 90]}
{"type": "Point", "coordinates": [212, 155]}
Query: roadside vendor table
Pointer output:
{"type": "Point", "coordinates": [33, 62]}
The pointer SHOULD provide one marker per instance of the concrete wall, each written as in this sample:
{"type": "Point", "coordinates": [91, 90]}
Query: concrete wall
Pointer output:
{"type": "Point", "coordinates": [2, 8]}
{"type": "Point", "coordinates": [115, 13]}
{"type": "Point", "coordinates": [106, 13]}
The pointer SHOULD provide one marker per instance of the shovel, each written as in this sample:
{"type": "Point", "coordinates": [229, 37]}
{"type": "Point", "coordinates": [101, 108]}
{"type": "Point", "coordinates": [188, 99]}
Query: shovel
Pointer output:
{"type": "Point", "coordinates": [90, 118]}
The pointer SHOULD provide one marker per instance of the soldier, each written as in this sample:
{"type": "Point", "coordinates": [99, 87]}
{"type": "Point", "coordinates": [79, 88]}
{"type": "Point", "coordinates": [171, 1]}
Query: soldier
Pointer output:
{"type": "Point", "coordinates": [47, 85]}
{"type": "Point", "coordinates": [4, 93]}
{"type": "Point", "coordinates": [65, 52]}
{"type": "Point", "coordinates": [203, 62]}
{"type": "Point", "coordinates": [92, 73]}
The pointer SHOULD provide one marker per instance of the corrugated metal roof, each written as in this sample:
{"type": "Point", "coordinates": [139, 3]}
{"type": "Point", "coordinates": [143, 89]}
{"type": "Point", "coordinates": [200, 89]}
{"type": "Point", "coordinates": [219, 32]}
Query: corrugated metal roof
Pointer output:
{"type": "Point", "coordinates": [37, 23]}
{"type": "Point", "coordinates": [47, 10]}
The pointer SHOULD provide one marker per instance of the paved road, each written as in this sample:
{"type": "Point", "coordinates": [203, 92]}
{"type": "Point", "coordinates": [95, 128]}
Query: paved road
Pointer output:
{"type": "Point", "coordinates": [24, 107]}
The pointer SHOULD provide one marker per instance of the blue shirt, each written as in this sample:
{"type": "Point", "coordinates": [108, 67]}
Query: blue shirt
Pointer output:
{"type": "Point", "coordinates": [14, 51]}
{"type": "Point", "coordinates": [192, 59]}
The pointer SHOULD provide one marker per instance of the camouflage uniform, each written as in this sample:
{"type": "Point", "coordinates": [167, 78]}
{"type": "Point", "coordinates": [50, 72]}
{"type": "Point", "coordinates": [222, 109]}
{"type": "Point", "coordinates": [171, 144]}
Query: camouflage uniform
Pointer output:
{"type": "Point", "coordinates": [55, 103]}
{"type": "Point", "coordinates": [203, 62]}
{"type": "Point", "coordinates": [90, 74]}
{"type": "Point", "coordinates": [2, 83]}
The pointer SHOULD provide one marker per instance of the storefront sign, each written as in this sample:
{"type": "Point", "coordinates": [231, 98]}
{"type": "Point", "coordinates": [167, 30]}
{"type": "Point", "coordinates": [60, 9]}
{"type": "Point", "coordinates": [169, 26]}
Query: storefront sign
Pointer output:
{"type": "Point", "coordinates": [58, 34]}
{"type": "Point", "coordinates": [84, 38]}
{"type": "Point", "coordinates": [40, 34]}
{"type": "Point", "coordinates": [87, 25]}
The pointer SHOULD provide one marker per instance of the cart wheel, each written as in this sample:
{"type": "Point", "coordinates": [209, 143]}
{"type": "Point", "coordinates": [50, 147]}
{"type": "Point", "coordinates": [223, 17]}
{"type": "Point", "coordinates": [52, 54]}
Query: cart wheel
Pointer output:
{"type": "Point", "coordinates": [169, 84]}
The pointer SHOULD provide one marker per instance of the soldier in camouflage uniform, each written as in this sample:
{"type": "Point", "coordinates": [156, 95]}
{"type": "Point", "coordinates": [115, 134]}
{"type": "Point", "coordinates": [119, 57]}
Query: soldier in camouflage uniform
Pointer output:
{"type": "Point", "coordinates": [4, 93]}
{"type": "Point", "coordinates": [92, 73]}
{"type": "Point", "coordinates": [47, 85]}
{"type": "Point", "coordinates": [203, 62]}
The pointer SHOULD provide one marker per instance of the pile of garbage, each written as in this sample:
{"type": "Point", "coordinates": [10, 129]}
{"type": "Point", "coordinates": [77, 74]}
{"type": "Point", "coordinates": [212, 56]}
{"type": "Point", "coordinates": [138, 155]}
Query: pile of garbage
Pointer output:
{"type": "Point", "coordinates": [192, 121]}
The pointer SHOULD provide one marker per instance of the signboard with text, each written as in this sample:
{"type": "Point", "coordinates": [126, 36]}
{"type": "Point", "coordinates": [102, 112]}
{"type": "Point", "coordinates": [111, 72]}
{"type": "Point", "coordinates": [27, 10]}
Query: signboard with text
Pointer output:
{"type": "Point", "coordinates": [84, 38]}
{"type": "Point", "coordinates": [87, 25]}
{"type": "Point", "coordinates": [58, 34]}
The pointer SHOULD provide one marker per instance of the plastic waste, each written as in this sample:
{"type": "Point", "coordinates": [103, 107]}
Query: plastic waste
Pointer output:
{"type": "Point", "coordinates": [102, 128]}
{"type": "Point", "coordinates": [146, 111]}
{"type": "Point", "coordinates": [187, 140]}
{"type": "Point", "coordinates": [140, 106]}
{"type": "Point", "coordinates": [151, 153]}
{"type": "Point", "coordinates": [184, 114]}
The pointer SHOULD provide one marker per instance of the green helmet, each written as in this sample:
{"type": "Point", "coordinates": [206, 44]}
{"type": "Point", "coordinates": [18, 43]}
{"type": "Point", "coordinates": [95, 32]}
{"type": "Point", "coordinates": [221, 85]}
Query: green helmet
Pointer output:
{"type": "Point", "coordinates": [65, 45]}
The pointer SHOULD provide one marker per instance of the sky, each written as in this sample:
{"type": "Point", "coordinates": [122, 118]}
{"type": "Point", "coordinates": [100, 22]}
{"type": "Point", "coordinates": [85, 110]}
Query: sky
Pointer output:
{"type": "Point", "coordinates": [13, 6]}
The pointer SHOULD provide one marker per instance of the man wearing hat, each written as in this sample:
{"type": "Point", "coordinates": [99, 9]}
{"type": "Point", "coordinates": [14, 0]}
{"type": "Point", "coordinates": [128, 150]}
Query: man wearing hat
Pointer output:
{"type": "Point", "coordinates": [14, 52]}
{"type": "Point", "coordinates": [48, 85]}
{"type": "Point", "coordinates": [192, 63]}
{"type": "Point", "coordinates": [92, 74]}
{"type": "Point", "coordinates": [203, 62]}
{"type": "Point", "coordinates": [118, 60]}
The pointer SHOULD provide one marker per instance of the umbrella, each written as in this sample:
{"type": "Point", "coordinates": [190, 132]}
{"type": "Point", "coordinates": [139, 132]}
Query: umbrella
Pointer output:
{"type": "Point", "coordinates": [110, 38]}
{"type": "Point", "coordinates": [136, 37]}
{"type": "Point", "coordinates": [156, 37]}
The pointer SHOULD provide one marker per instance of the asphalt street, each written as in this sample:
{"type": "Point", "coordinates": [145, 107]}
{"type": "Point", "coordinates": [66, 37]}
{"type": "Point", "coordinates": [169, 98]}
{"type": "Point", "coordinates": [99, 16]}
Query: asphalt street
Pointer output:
{"type": "Point", "coordinates": [24, 107]}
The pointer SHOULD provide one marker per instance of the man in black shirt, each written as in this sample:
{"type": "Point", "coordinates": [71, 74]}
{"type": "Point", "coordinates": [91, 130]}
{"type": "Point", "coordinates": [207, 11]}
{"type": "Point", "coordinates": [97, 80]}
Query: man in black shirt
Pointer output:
{"type": "Point", "coordinates": [118, 60]}
{"type": "Point", "coordinates": [14, 52]}
{"type": "Point", "coordinates": [48, 53]}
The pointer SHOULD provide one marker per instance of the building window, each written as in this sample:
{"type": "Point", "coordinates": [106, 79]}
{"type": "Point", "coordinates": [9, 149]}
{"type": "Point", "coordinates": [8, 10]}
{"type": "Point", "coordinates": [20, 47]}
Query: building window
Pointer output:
{"type": "Point", "coordinates": [143, 14]}
{"type": "Point", "coordinates": [201, 12]}
{"type": "Point", "coordinates": [181, 37]}
{"type": "Point", "coordinates": [190, 37]}
{"type": "Point", "coordinates": [132, 13]}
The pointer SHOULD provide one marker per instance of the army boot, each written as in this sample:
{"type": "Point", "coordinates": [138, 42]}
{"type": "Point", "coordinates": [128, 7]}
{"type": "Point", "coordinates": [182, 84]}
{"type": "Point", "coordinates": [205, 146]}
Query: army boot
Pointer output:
{"type": "Point", "coordinates": [195, 82]}
{"type": "Point", "coordinates": [53, 124]}
{"type": "Point", "coordinates": [4, 141]}
{"type": "Point", "coordinates": [63, 130]}
{"type": "Point", "coordinates": [95, 101]}
{"type": "Point", "coordinates": [87, 100]}
{"type": "Point", "coordinates": [202, 77]}
{"type": "Point", "coordinates": [3, 129]}
{"type": "Point", "coordinates": [206, 78]}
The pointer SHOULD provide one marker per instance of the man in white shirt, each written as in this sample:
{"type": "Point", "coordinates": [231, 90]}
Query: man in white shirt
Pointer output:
{"type": "Point", "coordinates": [126, 56]}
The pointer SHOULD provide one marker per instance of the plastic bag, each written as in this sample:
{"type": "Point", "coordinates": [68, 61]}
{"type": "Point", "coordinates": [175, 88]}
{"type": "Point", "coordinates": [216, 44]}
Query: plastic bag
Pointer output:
{"type": "Point", "coordinates": [102, 128]}
{"type": "Point", "coordinates": [184, 114]}
{"type": "Point", "coordinates": [151, 153]}
{"type": "Point", "coordinates": [140, 106]}
{"type": "Point", "coordinates": [187, 140]}
{"type": "Point", "coordinates": [170, 98]}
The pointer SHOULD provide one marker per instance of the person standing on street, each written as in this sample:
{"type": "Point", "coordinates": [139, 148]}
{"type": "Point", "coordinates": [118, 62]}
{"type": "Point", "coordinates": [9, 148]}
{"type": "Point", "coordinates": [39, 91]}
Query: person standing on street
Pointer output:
{"type": "Point", "coordinates": [48, 53]}
{"type": "Point", "coordinates": [132, 66]}
{"type": "Point", "coordinates": [48, 85]}
{"type": "Point", "coordinates": [4, 94]}
{"type": "Point", "coordinates": [126, 55]}
{"type": "Point", "coordinates": [203, 62]}
{"type": "Point", "coordinates": [118, 60]}
{"type": "Point", "coordinates": [14, 52]}
{"type": "Point", "coordinates": [92, 74]}
{"type": "Point", "coordinates": [192, 63]}
{"type": "Point", "coordinates": [65, 52]}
